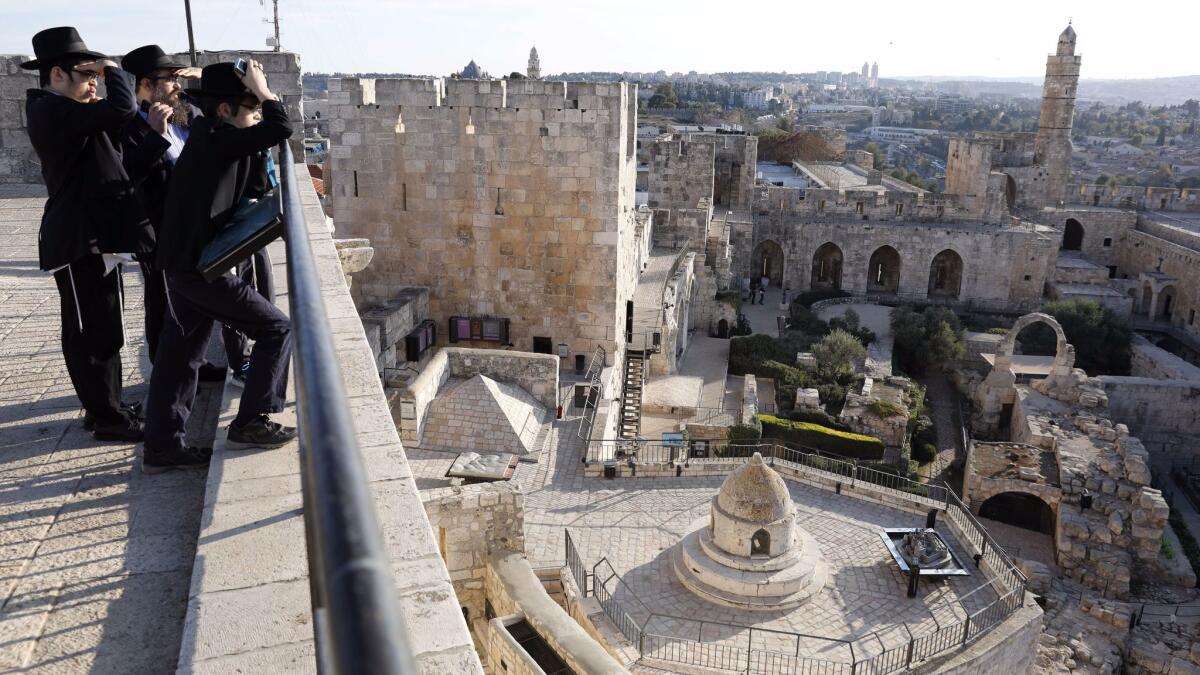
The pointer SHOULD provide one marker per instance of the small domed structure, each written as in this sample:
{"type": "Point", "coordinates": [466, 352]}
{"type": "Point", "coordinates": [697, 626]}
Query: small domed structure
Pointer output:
{"type": "Point", "coordinates": [750, 554]}
{"type": "Point", "coordinates": [753, 508]}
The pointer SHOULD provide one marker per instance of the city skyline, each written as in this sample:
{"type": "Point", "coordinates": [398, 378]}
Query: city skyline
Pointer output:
{"type": "Point", "coordinates": [945, 39]}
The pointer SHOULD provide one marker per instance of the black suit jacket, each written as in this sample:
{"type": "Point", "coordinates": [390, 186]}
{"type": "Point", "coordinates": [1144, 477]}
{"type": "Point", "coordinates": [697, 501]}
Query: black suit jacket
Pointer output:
{"type": "Point", "coordinates": [144, 153]}
{"type": "Point", "coordinates": [218, 165]}
{"type": "Point", "coordinates": [91, 206]}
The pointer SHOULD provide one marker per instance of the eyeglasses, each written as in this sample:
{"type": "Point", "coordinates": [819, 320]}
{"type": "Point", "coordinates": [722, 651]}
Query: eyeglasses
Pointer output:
{"type": "Point", "coordinates": [253, 107]}
{"type": "Point", "coordinates": [88, 76]}
{"type": "Point", "coordinates": [165, 78]}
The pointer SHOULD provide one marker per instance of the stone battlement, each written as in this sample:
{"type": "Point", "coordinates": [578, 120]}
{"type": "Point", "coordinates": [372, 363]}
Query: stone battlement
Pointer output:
{"type": "Point", "coordinates": [1135, 197]}
{"type": "Point", "coordinates": [497, 94]}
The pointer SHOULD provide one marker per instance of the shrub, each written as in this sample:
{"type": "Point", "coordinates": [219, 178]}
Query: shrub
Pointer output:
{"type": "Point", "coordinates": [745, 433]}
{"type": "Point", "coordinates": [886, 408]}
{"type": "Point", "coordinates": [833, 396]}
{"type": "Point", "coordinates": [822, 438]}
{"type": "Point", "coordinates": [924, 452]}
{"type": "Point", "coordinates": [817, 417]}
{"type": "Point", "coordinates": [837, 352]}
{"type": "Point", "coordinates": [997, 331]}
{"type": "Point", "coordinates": [803, 319]}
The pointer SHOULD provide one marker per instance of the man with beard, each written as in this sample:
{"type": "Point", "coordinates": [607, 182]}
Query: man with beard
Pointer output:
{"type": "Point", "coordinates": [150, 144]}
{"type": "Point", "coordinates": [92, 220]}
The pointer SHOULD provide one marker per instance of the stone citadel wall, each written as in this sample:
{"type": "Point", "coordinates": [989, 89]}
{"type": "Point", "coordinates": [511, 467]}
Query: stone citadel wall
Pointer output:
{"type": "Point", "coordinates": [510, 199]}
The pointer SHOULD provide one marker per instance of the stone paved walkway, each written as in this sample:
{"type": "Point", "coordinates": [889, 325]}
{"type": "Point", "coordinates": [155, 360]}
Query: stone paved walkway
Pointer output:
{"type": "Point", "coordinates": [941, 399]}
{"type": "Point", "coordinates": [95, 558]}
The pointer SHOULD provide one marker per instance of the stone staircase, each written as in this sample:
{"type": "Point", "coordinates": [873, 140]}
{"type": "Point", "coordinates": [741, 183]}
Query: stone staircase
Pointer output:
{"type": "Point", "coordinates": [629, 426]}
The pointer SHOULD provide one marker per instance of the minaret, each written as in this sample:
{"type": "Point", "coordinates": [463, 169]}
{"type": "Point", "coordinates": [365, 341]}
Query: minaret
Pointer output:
{"type": "Point", "coordinates": [534, 71]}
{"type": "Point", "coordinates": [875, 74]}
{"type": "Point", "coordinates": [1052, 147]}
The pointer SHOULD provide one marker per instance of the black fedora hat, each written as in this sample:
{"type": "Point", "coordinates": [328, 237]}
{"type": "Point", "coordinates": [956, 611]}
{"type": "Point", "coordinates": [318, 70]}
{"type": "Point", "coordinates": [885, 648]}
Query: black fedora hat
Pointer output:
{"type": "Point", "coordinates": [145, 60]}
{"type": "Point", "coordinates": [219, 79]}
{"type": "Point", "coordinates": [53, 44]}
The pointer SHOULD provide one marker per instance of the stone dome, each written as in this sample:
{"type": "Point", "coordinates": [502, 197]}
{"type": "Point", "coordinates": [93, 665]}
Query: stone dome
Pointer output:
{"type": "Point", "coordinates": [755, 493]}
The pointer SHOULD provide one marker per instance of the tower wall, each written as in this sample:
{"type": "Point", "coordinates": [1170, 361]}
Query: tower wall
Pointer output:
{"type": "Point", "coordinates": [1052, 148]}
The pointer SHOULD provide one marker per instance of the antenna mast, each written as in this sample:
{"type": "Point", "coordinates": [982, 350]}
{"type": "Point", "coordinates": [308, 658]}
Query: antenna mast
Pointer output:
{"type": "Point", "coordinates": [276, 4]}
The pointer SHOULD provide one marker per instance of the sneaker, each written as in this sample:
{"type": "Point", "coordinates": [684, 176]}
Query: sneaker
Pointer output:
{"type": "Point", "coordinates": [239, 375]}
{"type": "Point", "coordinates": [210, 373]}
{"type": "Point", "coordinates": [129, 429]}
{"type": "Point", "coordinates": [261, 432]}
{"type": "Point", "coordinates": [182, 458]}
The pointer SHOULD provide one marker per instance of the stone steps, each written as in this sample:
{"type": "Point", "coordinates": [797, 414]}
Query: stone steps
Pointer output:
{"type": "Point", "coordinates": [767, 590]}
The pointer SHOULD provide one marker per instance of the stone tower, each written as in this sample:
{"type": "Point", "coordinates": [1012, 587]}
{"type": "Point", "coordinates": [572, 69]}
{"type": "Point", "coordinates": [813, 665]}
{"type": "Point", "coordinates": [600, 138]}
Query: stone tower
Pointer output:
{"type": "Point", "coordinates": [534, 70]}
{"type": "Point", "coordinates": [1052, 147]}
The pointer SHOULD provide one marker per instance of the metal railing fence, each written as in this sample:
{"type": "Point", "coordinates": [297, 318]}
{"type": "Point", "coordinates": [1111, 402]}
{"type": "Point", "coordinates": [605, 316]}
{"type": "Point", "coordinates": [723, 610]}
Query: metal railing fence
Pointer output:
{"type": "Point", "coordinates": [356, 621]}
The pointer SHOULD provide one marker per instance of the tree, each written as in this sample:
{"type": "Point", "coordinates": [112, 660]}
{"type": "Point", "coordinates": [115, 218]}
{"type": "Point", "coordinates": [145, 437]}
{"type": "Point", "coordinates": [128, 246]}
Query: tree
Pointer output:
{"type": "Point", "coordinates": [930, 338]}
{"type": "Point", "coordinates": [664, 97]}
{"type": "Point", "coordinates": [1102, 338]}
{"type": "Point", "coordinates": [876, 154]}
{"type": "Point", "coordinates": [1137, 140]}
{"type": "Point", "coordinates": [1162, 136]}
{"type": "Point", "coordinates": [836, 354]}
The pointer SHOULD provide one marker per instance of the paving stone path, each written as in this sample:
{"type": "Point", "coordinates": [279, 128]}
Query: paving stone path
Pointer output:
{"type": "Point", "coordinates": [95, 557]}
{"type": "Point", "coordinates": [941, 399]}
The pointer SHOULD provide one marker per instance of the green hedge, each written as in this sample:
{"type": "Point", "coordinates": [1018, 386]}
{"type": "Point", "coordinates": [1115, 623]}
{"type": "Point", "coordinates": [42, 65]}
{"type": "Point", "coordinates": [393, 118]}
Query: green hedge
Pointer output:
{"type": "Point", "coordinates": [822, 438]}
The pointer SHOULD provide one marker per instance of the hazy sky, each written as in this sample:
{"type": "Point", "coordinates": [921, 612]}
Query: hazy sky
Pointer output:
{"type": "Point", "coordinates": [925, 37]}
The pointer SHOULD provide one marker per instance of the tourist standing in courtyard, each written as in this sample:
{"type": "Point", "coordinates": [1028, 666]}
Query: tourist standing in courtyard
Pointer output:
{"type": "Point", "coordinates": [92, 220]}
{"type": "Point", "coordinates": [242, 118]}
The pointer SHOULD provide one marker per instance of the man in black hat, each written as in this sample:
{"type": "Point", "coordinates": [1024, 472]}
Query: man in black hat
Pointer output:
{"type": "Point", "coordinates": [92, 219]}
{"type": "Point", "coordinates": [151, 142]}
{"type": "Point", "coordinates": [211, 181]}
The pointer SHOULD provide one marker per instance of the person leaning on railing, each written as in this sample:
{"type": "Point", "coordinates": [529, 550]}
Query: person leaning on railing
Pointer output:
{"type": "Point", "coordinates": [210, 182]}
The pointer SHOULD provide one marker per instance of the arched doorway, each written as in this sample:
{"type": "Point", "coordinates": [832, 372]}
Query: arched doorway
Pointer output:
{"type": "Point", "coordinates": [827, 267]}
{"type": "Point", "coordinates": [1147, 305]}
{"type": "Point", "coordinates": [1165, 303]}
{"type": "Point", "coordinates": [945, 275]}
{"type": "Point", "coordinates": [760, 543]}
{"type": "Point", "coordinates": [883, 272]}
{"type": "Point", "coordinates": [768, 262]}
{"type": "Point", "coordinates": [1019, 510]}
{"type": "Point", "coordinates": [723, 328]}
{"type": "Point", "coordinates": [1072, 235]}
{"type": "Point", "coordinates": [1010, 191]}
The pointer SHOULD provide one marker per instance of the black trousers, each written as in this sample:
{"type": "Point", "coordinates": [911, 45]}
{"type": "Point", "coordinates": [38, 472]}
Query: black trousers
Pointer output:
{"type": "Point", "coordinates": [255, 271]}
{"type": "Point", "coordinates": [194, 305]}
{"type": "Point", "coordinates": [155, 300]}
{"type": "Point", "coordinates": [92, 336]}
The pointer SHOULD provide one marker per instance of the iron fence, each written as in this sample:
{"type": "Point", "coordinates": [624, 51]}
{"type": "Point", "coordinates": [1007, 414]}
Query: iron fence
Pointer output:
{"type": "Point", "coordinates": [356, 621]}
{"type": "Point", "coordinates": [803, 460]}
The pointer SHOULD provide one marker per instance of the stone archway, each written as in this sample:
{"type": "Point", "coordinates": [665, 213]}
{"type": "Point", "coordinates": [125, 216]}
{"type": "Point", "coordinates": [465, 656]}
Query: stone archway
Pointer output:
{"type": "Point", "coordinates": [883, 271]}
{"type": "Point", "coordinates": [827, 267]}
{"type": "Point", "coordinates": [1072, 236]}
{"type": "Point", "coordinates": [760, 543]}
{"type": "Point", "coordinates": [1020, 509]}
{"type": "Point", "coordinates": [768, 262]}
{"type": "Point", "coordinates": [1146, 306]}
{"type": "Point", "coordinates": [945, 275]}
{"type": "Point", "coordinates": [1164, 305]}
{"type": "Point", "coordinates": [998, 389]}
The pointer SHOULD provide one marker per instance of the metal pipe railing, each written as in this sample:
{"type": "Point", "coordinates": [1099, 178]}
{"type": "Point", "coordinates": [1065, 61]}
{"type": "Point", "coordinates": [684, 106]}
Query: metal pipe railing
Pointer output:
{"type": "Point", "coordinates": [356, 621]}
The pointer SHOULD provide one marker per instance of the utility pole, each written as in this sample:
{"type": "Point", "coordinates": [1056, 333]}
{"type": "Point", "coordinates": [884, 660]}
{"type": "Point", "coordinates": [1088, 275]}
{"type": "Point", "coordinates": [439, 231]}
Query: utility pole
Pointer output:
{"type": "Point", "coordinates": [187, 10]}
{"type": "Point", "coordinates": [276, 4]}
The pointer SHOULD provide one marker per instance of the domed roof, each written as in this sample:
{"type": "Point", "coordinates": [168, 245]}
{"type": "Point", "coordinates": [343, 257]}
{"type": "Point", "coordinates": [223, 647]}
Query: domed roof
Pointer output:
{"type": "Point", "coordinates": [754, 492]}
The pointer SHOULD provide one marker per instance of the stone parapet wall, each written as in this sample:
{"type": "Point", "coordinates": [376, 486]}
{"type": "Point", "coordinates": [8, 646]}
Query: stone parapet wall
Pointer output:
{"type": "Point", "coordinates": [535, 373]}
{"type": "Point", "coordinates": [461, 517]}
{"type": "Point", "coordinates": [1149, 405]}
{"type": "Point", "coordinates": [1134, 197]}
{"type": "Point", "coordinates": [388, 323]}
{"type": "Point", "coordinates": [1155, 362]}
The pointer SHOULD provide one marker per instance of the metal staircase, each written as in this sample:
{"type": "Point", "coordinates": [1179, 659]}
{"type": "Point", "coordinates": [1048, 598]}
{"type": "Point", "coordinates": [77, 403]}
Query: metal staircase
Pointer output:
{"type": "Point", "coordinates": [629, 426]}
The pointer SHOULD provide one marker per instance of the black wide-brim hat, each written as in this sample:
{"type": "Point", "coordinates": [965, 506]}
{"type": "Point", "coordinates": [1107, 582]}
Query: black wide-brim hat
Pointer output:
{"type": "Point", "coordinates": [219, 80]}
{"type": "Point", "coordinates": [145, 60]}
{"type": "Point", "coordinates": [53, 44]}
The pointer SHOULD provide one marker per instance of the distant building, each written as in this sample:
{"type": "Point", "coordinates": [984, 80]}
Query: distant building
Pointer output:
{"type": "Point", "coordinates": [875, 75]}
{"type": "Point", "coordinates": [472, 71]}
{"type": "Point", "coordinates": [866, 70]}
{"type": "Point", "coordinates": [534, 70]}
{"type": "Point", "coordinates": [759, 99]}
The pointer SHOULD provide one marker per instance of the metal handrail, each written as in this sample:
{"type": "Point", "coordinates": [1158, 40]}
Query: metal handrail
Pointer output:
{"type": "Point", "coordinates": [356, 621]}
